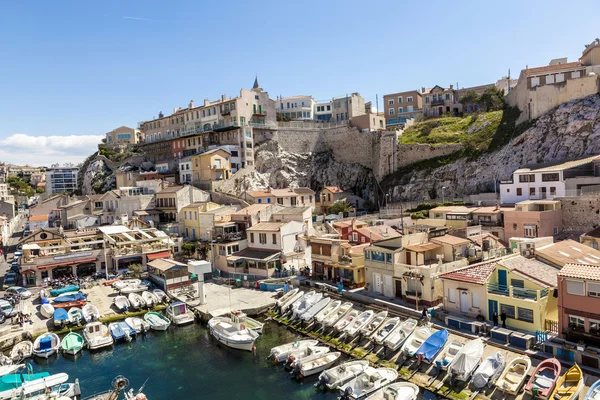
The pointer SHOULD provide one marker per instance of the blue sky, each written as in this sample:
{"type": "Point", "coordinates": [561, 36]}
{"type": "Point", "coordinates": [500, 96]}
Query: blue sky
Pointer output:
{"type": "Point", "coordinates": [72, 70]}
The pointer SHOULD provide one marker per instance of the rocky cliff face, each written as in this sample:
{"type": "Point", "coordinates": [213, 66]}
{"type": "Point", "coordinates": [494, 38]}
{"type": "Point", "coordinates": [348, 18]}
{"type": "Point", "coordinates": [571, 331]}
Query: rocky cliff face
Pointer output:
{"type": "Point", "coordinates": [572, 130]}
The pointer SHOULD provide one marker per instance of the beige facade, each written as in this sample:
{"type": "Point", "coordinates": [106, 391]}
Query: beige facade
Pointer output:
{"type": "Point", "coordinates": [438, 101]}
{"type": "Point", "coordinates": [534, 218]}
{"type": "Point", "coordinates": [465, 289]}
{"type": "Point", "coordinates": [369, 122]}
{"type": "Point", "coordinates": [213, 165]}
{"type": "Point", "coordinates": [402, 105]}
{"type": "Point", "coordinates": [122, 136]}
{"type": "Point", "coordinates": [345, 108]}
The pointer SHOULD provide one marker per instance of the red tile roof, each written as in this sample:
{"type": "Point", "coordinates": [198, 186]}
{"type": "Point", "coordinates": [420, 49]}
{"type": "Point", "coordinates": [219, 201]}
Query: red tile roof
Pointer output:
{"type": "Point", "coordinates": [334, 189]}
{"type": "Point", "coordinates": [581, 271]}
{"type": "Point", "coordinates": [550, 68]}
{"type": "Point", "coordinates": [477, 274]}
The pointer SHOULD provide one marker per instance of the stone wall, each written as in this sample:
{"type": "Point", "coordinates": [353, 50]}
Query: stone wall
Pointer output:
{"type": "Point", "coordinates": [407, 154]}
{"type": "Point", "coordinates": [582, 213]}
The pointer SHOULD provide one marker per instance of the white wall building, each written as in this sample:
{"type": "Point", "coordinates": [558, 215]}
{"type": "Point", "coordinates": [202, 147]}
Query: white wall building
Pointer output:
{"type": "Point", "coordinates": [61, 179]}
{"type": "Point", "coordinates": [281, 236]}
{"type": "Point", "coordinates": [296, 107]}
{"type": "Point", "coordinates": [185, 170]}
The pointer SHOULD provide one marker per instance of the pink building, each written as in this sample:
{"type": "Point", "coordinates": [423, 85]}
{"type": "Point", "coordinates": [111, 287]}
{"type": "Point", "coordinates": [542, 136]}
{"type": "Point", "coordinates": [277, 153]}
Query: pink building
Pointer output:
{"type": "Point", "coordinates": [533, 218]}
{"type": "Point", "coordinates": [579, 303]}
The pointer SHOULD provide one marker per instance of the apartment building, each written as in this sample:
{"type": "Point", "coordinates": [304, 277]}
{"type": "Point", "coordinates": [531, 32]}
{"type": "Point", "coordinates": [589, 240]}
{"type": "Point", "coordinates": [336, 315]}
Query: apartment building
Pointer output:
{"type": "Point", "coordinates": [438, 101]}
{"type": "Point", "coordinates": [210, 166]}
{"type": "Point", "coordinates": [290, 197]}
{"type": "Point", "coordinates": [169, 201]}
{"type": "Point", "coordinates": [200, 219]}
{"type": "Point", "coordinates": [62, 179]}
{"type": "Point", "coordinates": [534, 218]}
{"type": "Point", "coordinates": [296, 108]}
{"type": "Point", "coordinates": [122, 136]}
{"type": "Point", "coordinates": [549, 181]}
{"type": "Point", "coordinates": [254, 214]}
{"type": "Point", "coordinates": [401, 106]}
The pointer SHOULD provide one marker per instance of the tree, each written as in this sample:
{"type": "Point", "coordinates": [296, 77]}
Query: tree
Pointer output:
{"type": "Point", "coordinates": [469, 98]}
{"type": "Point", "coordinates": [136, 270]}
{"type": "Point", "coordinates": [189, 248]}
{"type": "Point", "coordinates": [340, 206]}
{"type": "Point", "coordinates": [39, 190]}
{"type": "Point", "coordinates": [492, 99]}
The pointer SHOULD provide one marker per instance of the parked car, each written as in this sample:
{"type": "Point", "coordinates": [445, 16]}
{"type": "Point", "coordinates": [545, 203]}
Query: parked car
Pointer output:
{"type": "Point", "coordinates": [7, 309]}
{"type": "Point", "coordinates": [18, 290]}
{"type": "Point", "coordinates": [10, 278]}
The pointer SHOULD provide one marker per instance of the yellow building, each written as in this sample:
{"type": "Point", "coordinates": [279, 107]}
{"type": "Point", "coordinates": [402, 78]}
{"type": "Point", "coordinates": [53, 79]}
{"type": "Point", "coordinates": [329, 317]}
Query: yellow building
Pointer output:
{"type": "Point", "coordinates": [524, 289]}
{"type": "Point", "coordinates": [190, 216]}
{"type": "Point", "coordinates": [213, 165]}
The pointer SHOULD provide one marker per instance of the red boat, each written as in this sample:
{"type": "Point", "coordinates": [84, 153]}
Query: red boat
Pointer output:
{"type": "Point", "coordinates": [543, 379]}
{"type": "Point", "coordinates": [70, 304]}
{"type": "Point", "coordinates": [110, 282]}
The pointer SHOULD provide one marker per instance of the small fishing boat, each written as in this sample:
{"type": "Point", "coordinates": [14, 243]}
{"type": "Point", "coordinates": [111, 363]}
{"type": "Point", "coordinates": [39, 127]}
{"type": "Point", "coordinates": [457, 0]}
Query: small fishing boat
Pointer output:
{"type": "Point", "coordinates": [150, 299]}
{"type": "Point", "coordinates": [286, 297]}
{"type": "Point", "coordinates": [488, 371]}
{"type": "Point", "coordinates": [543, 379]}
{"type": "Point", "coordinates": [432, 346]}
{"type": "Point", "coordinates": [254, 325]}
{"type": "Point", "coordinates": [179, 314]}
{"type": "Point", "coordinates": [331, 319]}
{"type": "Point", "coordinates": [396, 391]}
{"type": "Point", "coordinates": [385, 329]}
{"type": "Point", "coordinates": [296, 357]}
{"type": "Point", "coordinates": [120, 284]}
{"type": "Point", "coordinates": [90, 312]}
{"type": "Point", "coordinates": [337, 376]}
{"type": "Point", "coordinates": [306, 302]}
{"type": "Point", "coordinates": [120, 330]}
{"type": "Point", "coordinates": [593, 392]}
{"type": "Point", "coordinates": [233, 333]}
{"type": "Point", "coordinates": [448, 353]}
{"type": "Point", "coordinates": [10, 383]}
{"type": "Point", "coordinates": [61, 317]}
{"type": "Point", "coordinates": [346, 320]}
{"type": "Point", "coordinates": [133, 289]}
{"type": "Point", "coordinates": [160, 295]}
{"type": "Point", "coordinates": [359, 322]}
{"type": "Point", "coordinates": [415, 341]}
{"type": "Point", "coordinates": [46, 344]}
{"type": "Point", "coordinates": [281, 353]}
{"type": "Point", "coordinates": [122, 303]}
{"type": "Point", "coordinates": [66, 289]}
{"type": "Point", "coordinates": [136, 301]}
{"type": "Point", "coordinates": [72, 343]}
{"type": "Point", "coordinates": [7, 370]}
{"type": "Point", "coordinates": [137, 324]}
{"type": "Point", "coordinates": [67, 298]}
{"type": "Point", "coordinates": [285, 305]}
{"type": "Point", "coordinates": [38, 386]}
{"type": "Point", "coordinates": [512, 379]}
{"type": "Point", "coordinates": [374, 324]}
{"type": "Point", "coordinates": [70, 304]}
{"type": "Point", "coordinates": [570, 385]}
{"type": "Point", "coordinates": [314, 364]}
{"type": "Point", "coordinates": [75, 315]}
{"type": "Point", "coordinates": [465, 362]}
{"type": "Point", "coordinates": [314, 310]}
{"type": "Point", "coordinates": [398, 337]}
{"type": "Point", "coordinates": [22, 350]}
{"type": "Point", "coordinates": [332, 307]}
{"type": "Point", "coordinates": [97, 335]}
{"type": "Point", "coordinates": [368, 382]}
{"type": "Point", "coordinates": [47, 310]}
{"type": "Point", "coordinates": [157, 321]}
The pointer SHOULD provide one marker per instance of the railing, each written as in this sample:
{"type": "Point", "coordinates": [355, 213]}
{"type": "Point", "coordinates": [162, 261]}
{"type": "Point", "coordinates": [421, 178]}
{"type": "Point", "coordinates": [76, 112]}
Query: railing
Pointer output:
{"type": "Point", "coordinates": [544, 292]}
{"type": "Point", "coordinates": [515, 292]}
{"type": "Point", "coordinates": [437, 102]}
{"type": "Point", "coordinates": [501, 290]}
{"type": "Point", "coordinates": [551, 326]}
{"type": "Point", "coordinates": [259, 112]}
{"type": "Point", "coordinates": [263, 125]}
{"type": "Point", "coordinates": [312, 124]}
{"type": "Point", "coordinates": [521, 293]}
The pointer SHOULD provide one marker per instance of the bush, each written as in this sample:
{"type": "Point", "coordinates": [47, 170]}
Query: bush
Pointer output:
{"type": "Point", "coordinates": [340, 206]}
{"type": "Point", "coordinates": [420, 214]}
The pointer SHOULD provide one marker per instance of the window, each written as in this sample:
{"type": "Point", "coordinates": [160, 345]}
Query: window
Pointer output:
{"type": "Point", "coordinates": [400, 110]}
{"type": "Point", "coordinates": [413, 287]}
{"type": "Point", "coordinates": [451, 295]}
{"type": "Point", "coordinates": [391, 102]}
{"type": "Point", "coordinates": [388, 258]}
{"type": "Point", "coordinates": [519, 192]}
{"type": "Point", "coordinates": [409, 99]}
{"type": "Point", "coordinates": [575, 74]}
{"type": "Point", "coordinates": [251, 237]}
{"type": "Point", "coordinates": [391, 111]}
{"type": "Point", "coordinates": [367, 255]}
{"type": "Point", "coordinates": [399, 99]}
{"type": "Point", "coordinates": [377, 256]}
{"type": "Point", "coordinates": [354, 237]}
{"type": "Point", "coordinates": [409, 109]}
{"type": "Point", "coordinates": [185, 215]}
{"type": "Point", "coordinates": [262, 238]}
{"type": "Point", "coordinates": [427, 99]}
{"type": "Point", "coordinates": [575, 287]}
{"type": "Point", "coordinates": [447, 96]}
{"type": "Point", "coordinates": [520, 283]}
{"type": "Point", "coordinates": [576, 322]}
{"type": "Point", "coordinates": [532, 191]}
{"type": "Point", "coordinates": [530, 230]}
{"type": "Point", "coordinates": [555, 230]}
{"type": "Point", "coordinates": [594, 326]}
{"type": "Point", "coordinates": [560, 78]}
{"type": "Point", "coordinates": [524, 314]}
{"type": "Point", "coordinates": [593, 289]}
{"type": "Point", "coordinates": [510, 310]}
{"type": "Point", "coordinates": [535, 82]}
{"type": "Point", "coordinates": [527, 178]}
{"type": "Point", "coordinates": [549, 79]}
{"type": "Point", "coordinates": [274, 238]}
{"type": "Point", "coordinates": [475, 300]}
{"type": "Point", "coordinates": [550, 177]}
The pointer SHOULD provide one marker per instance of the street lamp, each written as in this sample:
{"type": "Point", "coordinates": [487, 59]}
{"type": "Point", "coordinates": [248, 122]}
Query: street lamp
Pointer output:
{"type": "Point", "coordinates": [443, 188]}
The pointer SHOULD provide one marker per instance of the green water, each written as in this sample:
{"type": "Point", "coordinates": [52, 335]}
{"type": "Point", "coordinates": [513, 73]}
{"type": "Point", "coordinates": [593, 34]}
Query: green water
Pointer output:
{"type": "Point", "coordinates": [187, 363]}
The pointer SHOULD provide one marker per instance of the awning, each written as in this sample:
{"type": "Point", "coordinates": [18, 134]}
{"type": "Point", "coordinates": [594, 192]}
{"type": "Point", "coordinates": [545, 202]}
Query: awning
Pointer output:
{"type": "Point", "coordinates": [31, 246]}
{"type": "Point", "coordinates": [154, 256]}
{"type": "Point", "coordinates": [83, 260]}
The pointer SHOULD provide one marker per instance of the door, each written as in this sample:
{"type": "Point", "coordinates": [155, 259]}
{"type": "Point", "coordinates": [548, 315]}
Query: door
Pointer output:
{"type": "Point", "coordinates": [440, 110]}
{"type": "Point", "coordinates": [464, 301]}
{"type": "Point", "coordinates": [409, 258]}
{"type": "Point", "coordinates": [492, 306]}
{"type": "Point", "coordinates": [502, 278]}
{"type": "Point", "coordinates": [399, 288]}
{"type": "Point", "coordinates": [377, 282]}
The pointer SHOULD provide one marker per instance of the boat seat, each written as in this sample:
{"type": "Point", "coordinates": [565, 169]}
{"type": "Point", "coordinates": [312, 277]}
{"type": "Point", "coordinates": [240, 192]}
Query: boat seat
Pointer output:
{"type": "Point", "coordinates": [565, 391]}
{"type": "Point", "coordinates": [572, 376]}
{"type": "Point", "coordinates": [513, 378]}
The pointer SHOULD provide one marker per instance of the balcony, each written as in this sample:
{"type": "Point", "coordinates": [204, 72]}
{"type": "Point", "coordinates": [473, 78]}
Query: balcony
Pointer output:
{"type": "Point", "coordinates": [220, 167]}
{"type": "Point", "coordinates": [437, 102]}
{"type": "Point", "coordinates": [259, 112]}
{"type": "Point", "coordinates": [226, 111]}
{"type": "Point", "coordinates": [223, 126]}
{"type": "Point", "coordinates": [516, 292]}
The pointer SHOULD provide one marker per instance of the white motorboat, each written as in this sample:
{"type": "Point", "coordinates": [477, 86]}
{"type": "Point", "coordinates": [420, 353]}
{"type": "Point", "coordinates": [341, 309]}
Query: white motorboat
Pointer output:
{"type": "Point", "coordinates": [157, 321]}
{"type": "Point", "coordinates": [126, 282]}
{"type": "Point", "coordinates": [332, 307]}
{"type": "Point", "coordinates": [46, 345]}
{"type": "Point", "coordinates": [338, 314]}
{"type": "Point", "coordinates": [412, 344]}
{"type": "Point", "coordinates": [314, 310]}
{"type": "Point", "coordinates": [314, 364]}
{"type": "Point", "coordinates": [398, 336]}
{"type": "Point", "coordinates": [467, 359]}
{"type": "Point", "coordinates": [346, 320]}
{"type": "Point", "coordinates": [48, 387]}
{"type": "Point", "coordinates": [97, 335]}
{"type": "Point", "coordinates": [296, 357]}
{"type": "Point", "coordinates": [448, 353]}
{"type": "Point", "coordinates": [513, 378]}
{"type": "Point", "coordinates": [47, 310]}
{"type": "Point", "coordinates": [179, 314]}
{"type": "Point", "coordinates": [337, 376]}
{"type": "Point", "coordinates": [359, 322]}
{"type": "Point", "coordinates": [136, 301]}
{"type": "Point", "coordinates": [367, 382]}
{"type": "Point", "coordinates": [396, 391]}
{"type": "Point", "coordinates": [22, 350]}
{"type": "Point", "coordinates": [233, 333]}
{"type": "Point", "coordinates": [285, 305]}
{"type": "Point", "coordinates": [489, 370]}
{"type": "Point", "coordinates": [133, 289]}
{"type": "Point", "coordinates": [306, 302]}
{"type": "Point", "coordinates": [385, 329]}
{"type": "Point", "coordinates": [75, 315]}
{"type": "Point", "coordinates": [160, 295]}
{"type": "Point", "coordinates": [281, 353]}
{"type": "Point", "coordinates": [90, 312]}
{"type": "Point", "coordinates": [10, 369]}
{"type": "Point", "coordinates": [374, 324]}
{"type": "Point", "coordinates": [286, 297]}
{"type": "Point", "coordinates": [150, 299]}
{"type": "Point", "coordinates": [122, 303]}
{"type": "Point", "coordinates": [137, 324]}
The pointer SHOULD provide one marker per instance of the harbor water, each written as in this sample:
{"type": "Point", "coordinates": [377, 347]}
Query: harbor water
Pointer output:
{"type": "Point", "coordinates": [187, 363]}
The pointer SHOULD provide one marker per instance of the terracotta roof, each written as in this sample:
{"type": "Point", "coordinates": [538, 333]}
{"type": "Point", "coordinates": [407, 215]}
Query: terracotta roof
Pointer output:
{"type": "Point", "coordinates": [551, 68]}
{"type": "Point", "coordinates": [39, 218]}
{"type": "Point", "coordinates": [568, 252]}
{"type": "Point", "coordinates": [581, 271]}
{"type": "Point", "coordinates": [378, 232]}
{"type": "Point", "coordinates": [453, 209]}
{"type": "Point", "coordinates": [252, 209]}
{"type": "Point", "coordinates": [419, 248]}
{"type": "Point", "coordinates": [258, 193]}
{"type": "Point", "coordinates": [304, 190]}
{"type": "Point", "coordinates": [451, 240]}
{"type": "Point", "coordinates": [532, 269]}
{"type": "Point", "coordinates": [267, 226]}
{"type": "Point", "coordinates": [477, 273]}
{"type": "Point", "coordinates": [334, 189]}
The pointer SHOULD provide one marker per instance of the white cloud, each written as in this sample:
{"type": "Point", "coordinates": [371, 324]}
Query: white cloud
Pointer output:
{"type": "Point", "coordinates": [45, 150]}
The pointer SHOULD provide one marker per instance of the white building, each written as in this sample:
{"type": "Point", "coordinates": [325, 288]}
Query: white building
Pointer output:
{"type": "Point", "coordinates": [571, 178]}
{"type": "Point", "coordinates": [296, 107]}
{"type": "Point", "coordinates": [185, 170]}
{"type": "Point", "coordinates": [62, 179]}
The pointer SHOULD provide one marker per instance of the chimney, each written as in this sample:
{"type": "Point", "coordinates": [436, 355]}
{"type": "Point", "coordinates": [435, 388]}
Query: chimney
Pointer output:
{"type": "Point", "coordinates": [422, 89]}
{"type": "Point", "coordinates": [451, 87]}
{"type": "Point", "coordinates": [191, 105]}
{"type": "Point", "coordinates": [206, 102]}
{"type": "Point", "coordinates": [223, 97]}
{"type": "Point", "coordinates": [174, 110]}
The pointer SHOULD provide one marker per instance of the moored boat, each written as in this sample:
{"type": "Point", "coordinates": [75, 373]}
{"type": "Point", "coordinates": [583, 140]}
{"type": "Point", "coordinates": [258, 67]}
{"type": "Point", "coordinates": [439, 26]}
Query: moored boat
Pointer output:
{"type": "Point", "coordinates": [97, 335]}
{"type": "Point", "coordinates": [414, 341]}
{"type": "Point", "coordinates": [396, 391]}
{"type": "Point", "coordinates": [281, 353]}
{"type": "Point", "coordinates": [367, 382]}
{"type": "Point", "coordinates": [286, 297]}
{"type": "Point", "coordinates": [314, 364]}
{"type": "Point", "coordinates": [68, 298]}
{"type": "Point", "coordinates": [593, 392]}
{"type": "Point", "coordinates": [543, 379]}
{"type": "Point", "coordinates": [149, 298]}
{"type": "Point", "coordinates": [160, 295]}
{"type": "Point", "coordinates": [306, 302]}
{"type": "Point", "coordinates": [179, 314]}
{"type": "Point", "coordinates": [398, 336]}
{"type": "Point", "coordinates": [570, 385]}
{"type": "Point", "coordinates": [157, 321]}
{"type": "Point", "coordinates": [61, 317]}
{"type": "Point", "coordinates": [47, 310]}
{"type": "Point", "coordinates": [41, 387]}
{"type": "Point", "coordinates": [296, 357]}
{"type": "Point", "coordinates": [357, 323]}
{"type": "Point", "coordinates": [337, 376]}
{"type": "Point", "coordinates": [331, 319]}
{"type": "Point", "coordinates": [90, 312]}
{"type": "Point", "coordinates": [445, 357]}
{"type": "Point", "coordinates": [489, 371]}
{"type": "Point", "coordinates": [133, 289]}
{"type": "Point", "coordinates": [285, 305]}
{"type": "Point", "coordinates": [233, 333]}
{"type": "Point", "coordinates": [46, 345]}
{"type": "Point", "coordinates": [75, 315]}
{"type": "Point", "coordinates": [120, 284]}
{"type": "Point", "coordinates": [467, 359]}
{"type": "Point", "coordinates": [137, 324]}
{"type": "Point", "coordinates": [432, 346]}
{"type": "Point", "coordinates": [72, 343]}
{"type": "Point", "coordinates": [385, 329]}
{"type": "Point", "coordinates": [66, 289]}
{"type": "Point", "coordinates": [513, 377]}
{"type": "Point", "coordinates": [70, 304]}
{"type": "Point", "coordinates": [22, 350]}
{"type": "Point", "coordinates": [121, 303]}
{"type": "Point", "coordinates": [374, 324]}
{"type": "Point", "coordinates": [314, 310]}
{"type": "Point", "coordinates": [346, 320]}
{"type": "Point", "coordinates": [332, 307]}
{"type": "Point", "coordinates": [136, 301]}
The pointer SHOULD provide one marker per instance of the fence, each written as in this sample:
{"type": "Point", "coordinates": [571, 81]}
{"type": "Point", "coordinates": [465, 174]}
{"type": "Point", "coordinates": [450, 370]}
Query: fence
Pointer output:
{"type": "Point", "coordinates": [551, 326]}
{"type": "Point", "coordinates": [236, 275]}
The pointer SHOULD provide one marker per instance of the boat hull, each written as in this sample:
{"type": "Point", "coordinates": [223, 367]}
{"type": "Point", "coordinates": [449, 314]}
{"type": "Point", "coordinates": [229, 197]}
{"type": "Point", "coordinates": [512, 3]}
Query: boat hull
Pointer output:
{"type": "Point", "coordinates": [247, 345]}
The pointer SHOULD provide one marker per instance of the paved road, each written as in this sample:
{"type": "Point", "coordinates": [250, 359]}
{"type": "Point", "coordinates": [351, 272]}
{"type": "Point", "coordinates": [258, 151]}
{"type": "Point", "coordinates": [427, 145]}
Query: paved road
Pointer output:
{"type": "Point", "coordinates": [11, 247]}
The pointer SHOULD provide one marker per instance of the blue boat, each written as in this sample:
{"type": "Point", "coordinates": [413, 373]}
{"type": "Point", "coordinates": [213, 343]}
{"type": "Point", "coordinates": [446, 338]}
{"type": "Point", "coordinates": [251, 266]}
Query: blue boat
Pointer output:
{"type": "Point", "coordinates": [594, 392]}
{"type": "Point", "coordinates": [120, 331]}
{"type": "Point", "coordinates": [15, 381]}
{"type": "Point", "coordinates": [61, 317]}
{"type": "Point", "coordinates": [431, 346]}
{"type": "Point", "coordinates": [66, 289]}
{"type": "Point", "coordinates": [126, 328]}
{"type": "Point", "coordinates": [69, 297]}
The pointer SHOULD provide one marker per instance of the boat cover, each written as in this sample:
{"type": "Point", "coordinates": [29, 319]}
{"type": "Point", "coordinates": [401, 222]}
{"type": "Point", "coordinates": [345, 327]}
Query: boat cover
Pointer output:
{"type": "Point", "coordinates": [13, 381]}
{"type": "Point", "coordinates": [45, 343]}
{"type": "Point", "coordinates": [468, 358]}
{"type": "Point", "coordinates": [66, 289]}
{"type": "Point", "coordinates": [432, 345]}
{"type": "Point", "coordinates": [60, 314]}
{"type": "Point", "coordinates": [70, 297]}
{"type": "Point", "coordinates": [490, 367]}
